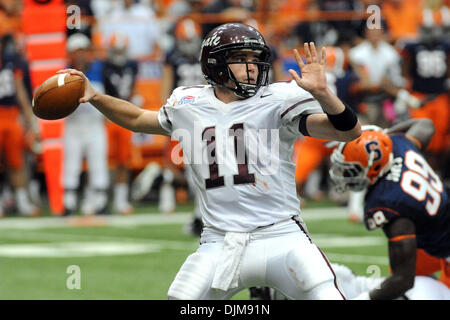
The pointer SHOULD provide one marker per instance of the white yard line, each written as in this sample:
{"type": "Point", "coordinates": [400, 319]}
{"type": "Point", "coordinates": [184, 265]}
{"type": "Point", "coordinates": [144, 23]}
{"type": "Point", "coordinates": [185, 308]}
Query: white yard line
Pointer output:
{"type": "Point", "coordinates": [13, 230]}
{"type": "Point", "coordinates": [140, 219]}
{"type": "Point", "coordinates": [42, 236]}
{"type": "Point", "coordinates": [357, 258]}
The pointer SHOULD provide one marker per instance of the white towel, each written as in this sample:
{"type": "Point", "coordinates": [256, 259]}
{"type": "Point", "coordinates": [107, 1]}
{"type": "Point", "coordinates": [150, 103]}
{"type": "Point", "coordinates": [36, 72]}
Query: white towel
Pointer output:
{"type": "Point", "coordinates": [227, 269]}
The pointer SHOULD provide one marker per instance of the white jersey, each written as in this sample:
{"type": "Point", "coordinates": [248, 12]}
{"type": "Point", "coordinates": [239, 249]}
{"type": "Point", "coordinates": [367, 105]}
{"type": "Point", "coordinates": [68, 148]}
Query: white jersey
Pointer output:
{"type": "Point", "coordinates": [240, 152]}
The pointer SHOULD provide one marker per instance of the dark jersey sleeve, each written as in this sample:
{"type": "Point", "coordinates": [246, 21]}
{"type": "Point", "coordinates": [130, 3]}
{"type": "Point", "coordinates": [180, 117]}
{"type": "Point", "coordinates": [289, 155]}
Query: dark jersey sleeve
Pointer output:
{"type": "Point", "coordinates": [378, 216]}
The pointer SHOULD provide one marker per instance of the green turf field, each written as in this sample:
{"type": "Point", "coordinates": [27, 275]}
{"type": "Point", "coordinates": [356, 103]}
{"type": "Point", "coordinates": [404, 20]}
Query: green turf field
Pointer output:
{"type": "Point", "coordinates": [137, 257]}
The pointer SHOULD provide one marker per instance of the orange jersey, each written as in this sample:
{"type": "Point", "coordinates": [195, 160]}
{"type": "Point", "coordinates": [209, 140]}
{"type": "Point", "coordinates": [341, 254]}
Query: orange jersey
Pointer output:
{"type": "Point", "coordinates": [119, 145]}
{"type": "Point", "coordinates": [308, 154]}
{"type": "Point", "coordinates": [403, 20]}
{"type": "Point", "coordinates": [12, 137]}
{"type": "Point", "coordinates": [427, 265]}
{"type": "Point", "coordinates": [438, 111]}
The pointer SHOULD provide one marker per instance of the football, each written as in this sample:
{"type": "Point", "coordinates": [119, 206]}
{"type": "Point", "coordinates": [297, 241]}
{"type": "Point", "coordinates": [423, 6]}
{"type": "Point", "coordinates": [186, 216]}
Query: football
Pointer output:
{"type": "Point", "coordinates": [58, 96]}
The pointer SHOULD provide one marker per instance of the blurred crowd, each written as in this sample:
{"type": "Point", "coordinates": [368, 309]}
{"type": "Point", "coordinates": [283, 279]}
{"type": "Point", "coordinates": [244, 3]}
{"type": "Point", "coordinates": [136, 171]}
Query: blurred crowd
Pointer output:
{"type": "Point", "coordinates": [386, 59]}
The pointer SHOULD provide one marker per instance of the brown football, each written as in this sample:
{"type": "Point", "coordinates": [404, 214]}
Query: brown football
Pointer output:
{"type": "Point", "coordinates": [58, 96]}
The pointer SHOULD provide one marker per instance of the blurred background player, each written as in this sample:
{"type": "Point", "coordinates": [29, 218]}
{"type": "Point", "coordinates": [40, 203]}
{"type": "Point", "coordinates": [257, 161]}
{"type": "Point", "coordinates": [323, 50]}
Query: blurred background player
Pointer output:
{"type": "Point", "coordinates": [180, 61]}
{"type": "Point", "coordinates": [315, 152]}
{"type": "Point", "coordinates": [404, 197]}
{"type": "Point", "coordinates": [138, 21]}
{"type": "Point", "coordinates": [119, 78]}
{"type": "Point", "coordinates": [181, 68]}
{"type": "Point", "coordinates": [377, 64]}
{"type": "Point", "coordinates": [309, 152]}
{"type": "Point", "coordinates": [426, 65]}
{"type": "Point", "coordinates": [16, 120]}
{"type": "Point", "coordinates": [85, 138]}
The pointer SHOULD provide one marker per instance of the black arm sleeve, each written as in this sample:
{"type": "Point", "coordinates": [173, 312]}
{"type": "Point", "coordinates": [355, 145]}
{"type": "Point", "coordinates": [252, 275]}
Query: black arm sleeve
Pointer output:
{"type": "Point", "coordinates": [344, 121]}
{"type": "Point", "coordinates": [302, 125]}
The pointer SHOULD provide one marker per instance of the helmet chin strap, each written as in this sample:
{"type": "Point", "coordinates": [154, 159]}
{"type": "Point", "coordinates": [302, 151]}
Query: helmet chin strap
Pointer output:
{"type": "Point", "coordinates": [241, 91]}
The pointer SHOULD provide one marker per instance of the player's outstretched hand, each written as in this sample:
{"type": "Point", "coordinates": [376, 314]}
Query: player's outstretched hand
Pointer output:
{"type": "Point", "coordinates": [89, 91]}
{"type": "Point", "coordinates": [313, 77]}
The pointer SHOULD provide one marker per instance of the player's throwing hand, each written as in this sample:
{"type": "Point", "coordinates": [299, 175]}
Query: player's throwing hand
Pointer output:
{"type": "Point", "coordinates": [89, 91]}
{"type": "Point", "coordinates": [313, 77]}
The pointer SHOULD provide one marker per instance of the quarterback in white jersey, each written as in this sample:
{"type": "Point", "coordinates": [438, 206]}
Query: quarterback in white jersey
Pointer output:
{"type": "Point", "coordinates": [260, 129]}
{"type": "Point", "coordinates": [237, 135]}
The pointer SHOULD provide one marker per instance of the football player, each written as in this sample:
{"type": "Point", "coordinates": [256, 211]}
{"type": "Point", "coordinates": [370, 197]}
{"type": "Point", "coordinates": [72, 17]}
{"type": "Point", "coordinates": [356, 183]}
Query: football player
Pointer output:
{"type": "Point", "coordinates": [426, 63]}
{"type": "Point", "coordinates": [404, 197]}
{"type": "Point", "coordinates": [85, 138]}
{"type": "Point", "coordinates": [119, 77]}
{"type": "Point", "coordinates": [16, 120]}
{"type": "Point", "coordinates": [237, 135]}
{"type": "Point", "coordinates": [182, 68]}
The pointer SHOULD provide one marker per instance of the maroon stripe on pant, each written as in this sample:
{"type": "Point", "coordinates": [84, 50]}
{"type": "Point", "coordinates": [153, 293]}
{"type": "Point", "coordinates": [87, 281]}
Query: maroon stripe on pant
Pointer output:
{"type": "Point", "coordinates": [324, 257]}
{"type": "Point", "coordinates": [332, 271]}
{"type": "Point", "coordinates": [303, 229]}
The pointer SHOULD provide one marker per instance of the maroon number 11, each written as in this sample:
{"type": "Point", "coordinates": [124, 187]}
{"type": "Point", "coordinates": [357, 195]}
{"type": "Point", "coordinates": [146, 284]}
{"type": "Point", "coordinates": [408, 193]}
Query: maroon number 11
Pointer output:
{"type": "Point", "coordinates": [243, 176]}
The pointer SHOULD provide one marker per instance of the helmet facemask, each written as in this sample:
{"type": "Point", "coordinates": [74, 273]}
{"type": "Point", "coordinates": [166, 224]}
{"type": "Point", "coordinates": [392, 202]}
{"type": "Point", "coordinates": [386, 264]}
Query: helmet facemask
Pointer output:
{"type": "Point", "coordinates": [353, 175]}
{"type": "Point", "coordinates": [347, 175]}
{"type": "Point", "coordinates": [241, 89]}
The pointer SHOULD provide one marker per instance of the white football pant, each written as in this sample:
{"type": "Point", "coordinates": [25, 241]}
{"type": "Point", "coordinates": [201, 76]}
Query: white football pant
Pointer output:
{"type": "Point", "coordinates": [281, 256]}
{"type": "Point", "coordinates": [87, 141]}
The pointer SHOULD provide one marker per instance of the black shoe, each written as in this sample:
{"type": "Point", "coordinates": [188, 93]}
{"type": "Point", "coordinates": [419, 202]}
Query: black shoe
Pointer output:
{"type": "Point", "coordinates": [67, 212]}
{"type": "Point", "coordinates": [197, 226]}
{"type": "Point", "coordinates": [260, 293]}
{"type": "Point", "coordinates": [104, 211]}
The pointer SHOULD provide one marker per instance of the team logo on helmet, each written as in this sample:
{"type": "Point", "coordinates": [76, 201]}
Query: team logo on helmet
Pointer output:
{"type": "Point", "coordinates": [211, 41]}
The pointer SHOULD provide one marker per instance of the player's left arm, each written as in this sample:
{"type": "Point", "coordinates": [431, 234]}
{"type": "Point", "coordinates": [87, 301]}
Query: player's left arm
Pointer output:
{"type": "Point", "coordinates": [402, 259]}
{"type": "Point", "coordinates": [338, 122]}
{"type": "Point", "coordinates": [420, 131]}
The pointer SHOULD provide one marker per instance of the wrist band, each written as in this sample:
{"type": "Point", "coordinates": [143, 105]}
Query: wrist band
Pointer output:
{"type": "Point", "coordinates": [302, 125]}
{"type": "Point", "coordinates": [344, 121]}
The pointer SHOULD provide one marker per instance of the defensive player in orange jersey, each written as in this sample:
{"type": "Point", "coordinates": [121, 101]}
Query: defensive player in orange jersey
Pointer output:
{"type": "Point", "coordinates": [404, 197]}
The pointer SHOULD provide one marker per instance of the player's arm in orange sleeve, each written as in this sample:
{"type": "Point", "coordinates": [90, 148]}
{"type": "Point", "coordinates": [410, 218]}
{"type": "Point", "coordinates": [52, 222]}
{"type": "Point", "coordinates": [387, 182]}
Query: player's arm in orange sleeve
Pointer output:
{"type": "Point", "coordinates": [402, 259]}
{"type": "Point", "coordinates": [122, 112]}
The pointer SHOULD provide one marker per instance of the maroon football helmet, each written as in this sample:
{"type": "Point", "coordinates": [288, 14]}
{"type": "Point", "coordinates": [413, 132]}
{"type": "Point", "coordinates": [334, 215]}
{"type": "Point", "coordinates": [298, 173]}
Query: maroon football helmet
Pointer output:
{"type": "Point", "coordinates": [218, 45]}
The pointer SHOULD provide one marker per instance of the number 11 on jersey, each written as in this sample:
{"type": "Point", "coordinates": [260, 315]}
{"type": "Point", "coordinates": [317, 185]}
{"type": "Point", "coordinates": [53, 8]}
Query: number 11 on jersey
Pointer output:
{"type": "Point", "coordinates": [243, 176]}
